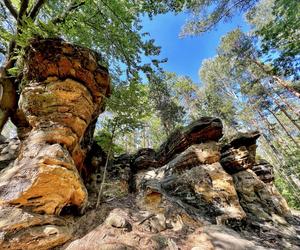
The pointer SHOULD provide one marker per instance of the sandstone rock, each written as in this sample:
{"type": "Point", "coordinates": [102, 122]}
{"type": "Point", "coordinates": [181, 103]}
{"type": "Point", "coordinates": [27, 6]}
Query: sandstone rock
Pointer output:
{"type": "Point", "coordinates": [243, 139]}
{"type": "Point", "coordinates": [137, 236]}
{"type": "Point", "coordinates": [187, 178]}
{"type": "Point", "coordinates": [215, 187]}
{"type": "Point", "coordinates": [62, 94]}
{"type": "Point", "coordinates": [264, 171]}
{"type": "Point", "coordinates": [24, 230]}
{"type": "Point", "coordinates": [202, 130]}
{"type": "Point", "coordinates": [258, 199]}
{"type": "Point", "coordinates": [145, 158]}
{"type": "Point", "coordinates": [9, 152]}
{"type": "Point", "coordinates": [219, 237]}
{"type": "Point", "coordinates": [195, 155]}
{"type": "Point", "coordinates": [58, 110]}
{"type": "Point", "coordinates": [239, 153]}
{"type": "Point", "coordinates": [106, 236]}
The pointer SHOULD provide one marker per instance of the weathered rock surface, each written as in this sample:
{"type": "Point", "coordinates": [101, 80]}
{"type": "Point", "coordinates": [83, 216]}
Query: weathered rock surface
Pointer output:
{"type": "Point", "coordinates": [202, 130]}
{"type": "Point", "coordinates": [264, 171]}
{"type": "Point", "coordinates": [24, 230]}
{"type": "Point", "coordinates": [195, 179]}
{"type": "Point", "coordinates": [145, 158]}
{"type": "Point", "coordinates": [259, 200]}
{"type": "Point", "coordinates": [58, 110]}
{"type": "Point", "coordinates": [192, 201]}
{"type": "Point", "coordinates": [62, 93]}
{"type": "Point", "coordinates": [125, 229]}
{"type": "Point", "coordinates": [9, 149]}
{"type": "Point", "coordinates": [239, 153]}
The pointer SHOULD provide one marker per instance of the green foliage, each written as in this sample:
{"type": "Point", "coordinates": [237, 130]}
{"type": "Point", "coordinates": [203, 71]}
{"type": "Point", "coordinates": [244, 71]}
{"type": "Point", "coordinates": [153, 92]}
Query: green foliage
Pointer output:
{"type": "Point", "coordinates": [169, 110]}
{"type": "Point", "coordinates": [112, 28]}
{"type": "Point", "coordinates": [104, 139]}
{"type": "Point", "coordinates": [127, 110]}
{"type": "Point", "coordinates": [280, 35]}
{"type": "Point", "coordinates": [287, 191]}
{"type": "Point", "coordinates": [206, 14]}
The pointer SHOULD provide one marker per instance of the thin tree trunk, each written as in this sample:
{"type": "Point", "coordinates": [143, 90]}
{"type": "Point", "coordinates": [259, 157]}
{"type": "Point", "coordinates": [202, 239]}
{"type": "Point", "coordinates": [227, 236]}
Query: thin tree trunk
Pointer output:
{"type": "Point", "coordinates": [277, 79]}
{"type": "Point", "coordinates": [268, 126]}
{"type": "Point", "coordinates": [100, 192]}
{"type": "Point", "coordinates": [286, 86]}
{"type": "Point", "coordinates": [282, 109]}
{"type": "Point", "coordinates": [280, 160]}
{"type": "Point", "coordinates": [99, 198]}
{"type": "Point", "coordinates": [283, 127]}
{"type": "Point", "coordinates": [287, 115]}
{"type": "Point", "coordinates": [296, 112]}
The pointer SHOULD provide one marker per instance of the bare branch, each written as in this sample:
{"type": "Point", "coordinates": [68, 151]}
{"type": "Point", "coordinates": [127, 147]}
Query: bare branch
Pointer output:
{"type": "Point", "coordinates": [36, 8]}
{"type": "Point", "coordinates": [11, 8]}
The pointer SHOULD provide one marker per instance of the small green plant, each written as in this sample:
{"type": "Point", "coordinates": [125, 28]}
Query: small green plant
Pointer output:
{"type": "Point", "coordinates": [127, 107]}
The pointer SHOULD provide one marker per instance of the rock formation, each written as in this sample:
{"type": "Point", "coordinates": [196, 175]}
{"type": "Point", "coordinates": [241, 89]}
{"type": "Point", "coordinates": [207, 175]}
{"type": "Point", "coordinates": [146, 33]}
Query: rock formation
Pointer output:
{"type": "Point", "coordinates": [62, 93]}
{"type": "Point", "coordinates": [194, 192]}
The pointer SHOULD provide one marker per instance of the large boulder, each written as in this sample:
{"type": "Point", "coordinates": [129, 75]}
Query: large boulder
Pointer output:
{"type": "Point", "coordinates": [194, 177]}
{"type": "Point", "coordinates": [145, 158]}
{"type": "Point", "coordinates": [20, 229]}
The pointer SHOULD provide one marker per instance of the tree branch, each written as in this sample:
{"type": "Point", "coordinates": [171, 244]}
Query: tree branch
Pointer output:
{"type": "Point", "coordinates": [22, 11]}
{"type": "Point", "coordinates": [11, 8]}
{"type": "Point", "coordinates": [3, 51]}
{"type": "Point", "coordinates": [72, 6]}
{"type": "Point", "coordinates": [36, 8]}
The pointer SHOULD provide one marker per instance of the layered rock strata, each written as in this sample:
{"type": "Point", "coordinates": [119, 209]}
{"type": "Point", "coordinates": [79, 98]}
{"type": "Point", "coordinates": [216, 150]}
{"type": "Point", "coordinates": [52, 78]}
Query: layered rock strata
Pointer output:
{"type": "Point", "coordinates": [62, 93]}
{"type": "Point", "coordinates": [252, 180]}
{"type": "Point", "coordinates": [193, 201]}
{"type": "Point", "coordinates": [239, 153]}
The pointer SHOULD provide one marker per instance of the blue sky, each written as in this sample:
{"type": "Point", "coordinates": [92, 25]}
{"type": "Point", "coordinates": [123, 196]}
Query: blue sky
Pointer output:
{"type": "Point", "coordinates": [185, 55]}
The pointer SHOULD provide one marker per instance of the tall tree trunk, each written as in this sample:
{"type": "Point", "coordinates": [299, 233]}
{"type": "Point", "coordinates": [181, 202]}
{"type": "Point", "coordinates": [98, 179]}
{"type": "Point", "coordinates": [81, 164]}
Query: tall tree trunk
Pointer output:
{"type": "Point", "coordinates": [283, 127]}
{"type": "Point", "coordinates": [268, 126]}
{"type": "Point", "coordinates": [282, 109]}
{"type": "Point", "coordinates": [287, 115]}
{"type": "Point", "coordinates": [277, 79]}
{"type": "Point", "coordinates": [280, 159]}
{"type": "Point", "coordinates": [287, 104]}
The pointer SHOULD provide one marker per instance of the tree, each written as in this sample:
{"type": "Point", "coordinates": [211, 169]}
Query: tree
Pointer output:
{"type": "Point", "coordinates": [110, 27]}
{"type": "Point", "coordinates": [240, 49]}
{"type": "Point", "coordinates": [237, 75]}
{"type": "Point", "coordinates": [204, 15]}
{"type": "Point", "coordinates": [279, 32]}
{"type": "Point", "coordinates": [127, 107]}
{"type": "Point", "coordinates": [169, 110]}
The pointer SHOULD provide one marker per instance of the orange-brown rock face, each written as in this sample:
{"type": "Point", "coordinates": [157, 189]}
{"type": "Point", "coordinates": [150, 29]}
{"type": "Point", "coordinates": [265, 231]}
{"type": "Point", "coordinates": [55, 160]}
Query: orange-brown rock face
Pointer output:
{"type": "Point", "coordinates": [62, 93]}
{"type": "Point", "coordinates": [63, 88]}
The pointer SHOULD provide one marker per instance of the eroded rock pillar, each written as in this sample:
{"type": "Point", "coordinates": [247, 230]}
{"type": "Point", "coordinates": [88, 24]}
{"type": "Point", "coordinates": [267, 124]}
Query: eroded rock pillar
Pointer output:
{"type": "Point", "coordinates": [62, 92]}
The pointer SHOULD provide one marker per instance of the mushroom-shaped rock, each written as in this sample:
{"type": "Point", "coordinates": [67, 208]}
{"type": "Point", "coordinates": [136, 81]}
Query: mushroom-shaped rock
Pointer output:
{"type": "Point", "coordinates": [62, 93]}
